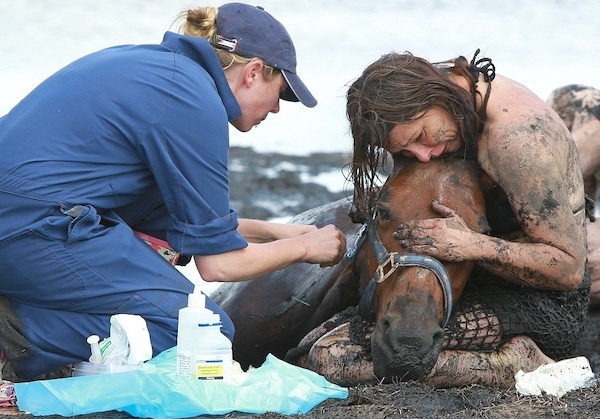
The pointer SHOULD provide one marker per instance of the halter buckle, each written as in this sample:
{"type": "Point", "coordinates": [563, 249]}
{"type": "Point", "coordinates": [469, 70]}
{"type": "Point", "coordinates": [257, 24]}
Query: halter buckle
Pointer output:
{"type": "Point", "coordinates": [389, 262]}
{"type": "Point", "coordinates": [351, 252]}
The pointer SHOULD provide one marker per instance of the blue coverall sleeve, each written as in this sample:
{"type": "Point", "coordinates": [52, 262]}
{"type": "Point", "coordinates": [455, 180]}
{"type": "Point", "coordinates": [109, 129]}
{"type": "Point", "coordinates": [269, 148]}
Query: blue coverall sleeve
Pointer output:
{"type": "Point", "coordinates": [187, 151]}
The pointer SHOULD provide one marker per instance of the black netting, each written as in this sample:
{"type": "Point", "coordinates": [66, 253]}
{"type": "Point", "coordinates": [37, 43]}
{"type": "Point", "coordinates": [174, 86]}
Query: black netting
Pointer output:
{"type": "Point", "coordinates": [491, 311]}
{"type": "Point", "coordinates": [473, 327]}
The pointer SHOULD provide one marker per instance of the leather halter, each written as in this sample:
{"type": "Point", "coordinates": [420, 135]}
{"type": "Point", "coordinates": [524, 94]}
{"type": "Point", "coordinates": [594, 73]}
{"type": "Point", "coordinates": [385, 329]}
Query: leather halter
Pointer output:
{"type": "Point", "coordinates": [389, 262]}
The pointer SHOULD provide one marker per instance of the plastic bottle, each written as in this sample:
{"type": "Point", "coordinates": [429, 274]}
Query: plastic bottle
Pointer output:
{"type": "Point", "coordinates": [203, 352]}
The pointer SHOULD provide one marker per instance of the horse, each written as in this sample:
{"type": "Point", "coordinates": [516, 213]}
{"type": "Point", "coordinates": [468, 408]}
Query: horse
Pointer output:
{"type": "Point", "coordinates": [409, 297]}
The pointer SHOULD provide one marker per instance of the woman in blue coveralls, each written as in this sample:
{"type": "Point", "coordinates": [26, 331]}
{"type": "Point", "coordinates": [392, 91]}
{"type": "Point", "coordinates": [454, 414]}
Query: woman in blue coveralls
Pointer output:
{"type": "Point", "coordinates": [135, 138]}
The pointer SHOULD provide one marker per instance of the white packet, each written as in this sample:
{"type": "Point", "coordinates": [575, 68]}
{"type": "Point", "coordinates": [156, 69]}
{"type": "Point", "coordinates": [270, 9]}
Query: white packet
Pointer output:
{"type": "Point", "coordinates": [129, 341]}
{"type": "Point", "coordinates": [556, 378]}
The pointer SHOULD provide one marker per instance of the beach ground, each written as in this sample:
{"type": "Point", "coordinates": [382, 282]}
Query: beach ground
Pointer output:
{"type": "Point", "coordinates": [418, 401]}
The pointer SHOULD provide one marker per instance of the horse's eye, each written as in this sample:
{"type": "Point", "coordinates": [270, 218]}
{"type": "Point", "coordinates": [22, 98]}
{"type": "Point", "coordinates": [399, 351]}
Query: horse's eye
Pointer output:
{"type": "Point", "coordinates": [384, 214]}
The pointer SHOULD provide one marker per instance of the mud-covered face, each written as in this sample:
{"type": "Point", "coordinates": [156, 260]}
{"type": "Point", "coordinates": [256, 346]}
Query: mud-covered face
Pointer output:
{"type": "Point", "coordinates": [431, 135]}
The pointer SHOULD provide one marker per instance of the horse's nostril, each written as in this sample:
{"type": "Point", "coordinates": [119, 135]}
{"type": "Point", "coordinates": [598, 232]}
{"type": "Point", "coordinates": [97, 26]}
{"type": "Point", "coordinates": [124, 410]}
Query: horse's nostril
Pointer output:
{"type": "Point", "coordinates": [385, 324]}
{"type": "Point", "coordinates": [438, 337]}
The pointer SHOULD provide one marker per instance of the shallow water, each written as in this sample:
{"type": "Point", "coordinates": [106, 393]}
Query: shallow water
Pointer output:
{"type": "Point", "coordinates": [542, 43]}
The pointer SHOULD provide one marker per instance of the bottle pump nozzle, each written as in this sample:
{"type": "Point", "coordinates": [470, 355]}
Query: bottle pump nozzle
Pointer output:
{"type": "Point", "coordinates": [196, 299]}
{"type": "Point", "coordinates": [96, 357]}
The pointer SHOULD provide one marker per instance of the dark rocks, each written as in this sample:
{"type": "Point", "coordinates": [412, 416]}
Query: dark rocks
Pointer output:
{"type": "Point", "coordinates": [272, 185]}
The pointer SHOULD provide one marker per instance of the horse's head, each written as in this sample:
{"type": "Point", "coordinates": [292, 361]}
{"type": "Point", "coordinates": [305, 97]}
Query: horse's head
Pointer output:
{"type": "Point", "coordinates": [410, 296]}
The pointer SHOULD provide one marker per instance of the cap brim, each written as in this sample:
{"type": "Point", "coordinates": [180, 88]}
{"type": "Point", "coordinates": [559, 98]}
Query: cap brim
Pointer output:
{"type": "Point", "coordinates": [297, 91]}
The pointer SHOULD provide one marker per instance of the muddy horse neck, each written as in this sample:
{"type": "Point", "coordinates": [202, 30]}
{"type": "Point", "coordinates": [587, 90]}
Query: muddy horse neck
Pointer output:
{"type": "Point", "coordinates": [389, 262]}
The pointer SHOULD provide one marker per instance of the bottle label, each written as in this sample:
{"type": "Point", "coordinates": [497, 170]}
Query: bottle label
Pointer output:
{"type": "Point", "coordinates": [210, 367]}
{"type": "Point", "coordinates": [203, 366]}
{"type": "Point", "coordinates": [184, 363]}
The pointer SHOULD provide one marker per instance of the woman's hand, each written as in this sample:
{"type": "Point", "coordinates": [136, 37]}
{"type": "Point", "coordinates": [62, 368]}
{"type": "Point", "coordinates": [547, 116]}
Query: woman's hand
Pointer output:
{"type": "Point", "coordinates": [444, 238]}
{"type": "Point", "coordinates": [325, 246]}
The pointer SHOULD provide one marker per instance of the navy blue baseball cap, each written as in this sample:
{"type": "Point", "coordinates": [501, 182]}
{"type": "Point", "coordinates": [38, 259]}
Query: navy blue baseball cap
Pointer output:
{"type": "Point", "coordinates": [251, 32]}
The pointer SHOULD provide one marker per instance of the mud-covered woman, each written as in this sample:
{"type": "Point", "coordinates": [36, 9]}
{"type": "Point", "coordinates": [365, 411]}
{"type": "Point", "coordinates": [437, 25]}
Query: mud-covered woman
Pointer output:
{"type": "Point", "coordinates": [579, 107]}
{"type": "Point", "coordinates": [526, 300]}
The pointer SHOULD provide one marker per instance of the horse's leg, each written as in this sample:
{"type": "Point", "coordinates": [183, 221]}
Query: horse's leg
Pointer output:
{"type": "Point", "coordinates": [343, 362]}
{"type": "Point", "coordinates": [459, 368]}
{"type": "Point", "coordinates": [299, 354]}
{"type": "Point", "coordinates": [464, 360]}
{"type": "Point", "coordinates": [340, 360]}
{"type": "Point", "coordinates": [334, 355]}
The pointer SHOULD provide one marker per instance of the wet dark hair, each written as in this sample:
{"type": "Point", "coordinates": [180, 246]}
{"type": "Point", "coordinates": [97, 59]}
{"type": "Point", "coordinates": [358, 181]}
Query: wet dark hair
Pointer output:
{"type": "Point", "coordinates": [395, 89]}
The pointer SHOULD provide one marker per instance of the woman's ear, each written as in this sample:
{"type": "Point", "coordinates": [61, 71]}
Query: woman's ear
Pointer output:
{"type": "Point", "coordinates": [252, 71]}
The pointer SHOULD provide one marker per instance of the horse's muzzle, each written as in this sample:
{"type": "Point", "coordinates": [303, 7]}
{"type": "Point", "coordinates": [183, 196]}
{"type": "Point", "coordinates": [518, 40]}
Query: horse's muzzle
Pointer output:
{"type": "Point", "coordinates": [405, 358]}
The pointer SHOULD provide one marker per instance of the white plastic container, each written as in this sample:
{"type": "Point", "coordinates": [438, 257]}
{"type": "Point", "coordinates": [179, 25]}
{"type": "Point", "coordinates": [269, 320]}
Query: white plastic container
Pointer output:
{"type": "Point", "coordinates": [87, 368]}
{"type": "Point", "coordinates": [203, 352]}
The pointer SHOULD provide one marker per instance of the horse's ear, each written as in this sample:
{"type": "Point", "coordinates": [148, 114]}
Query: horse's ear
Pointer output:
{"type": "Point", "coordinates": [400, 162]}
{"type": "Point", "coordinates": [356, 215]}
{"type": "Point", "coordinates": [362, 215]}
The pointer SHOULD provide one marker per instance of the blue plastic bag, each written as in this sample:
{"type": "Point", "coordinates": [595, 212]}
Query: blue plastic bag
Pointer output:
{"type": "Point", "coordinates": [156, 391]}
